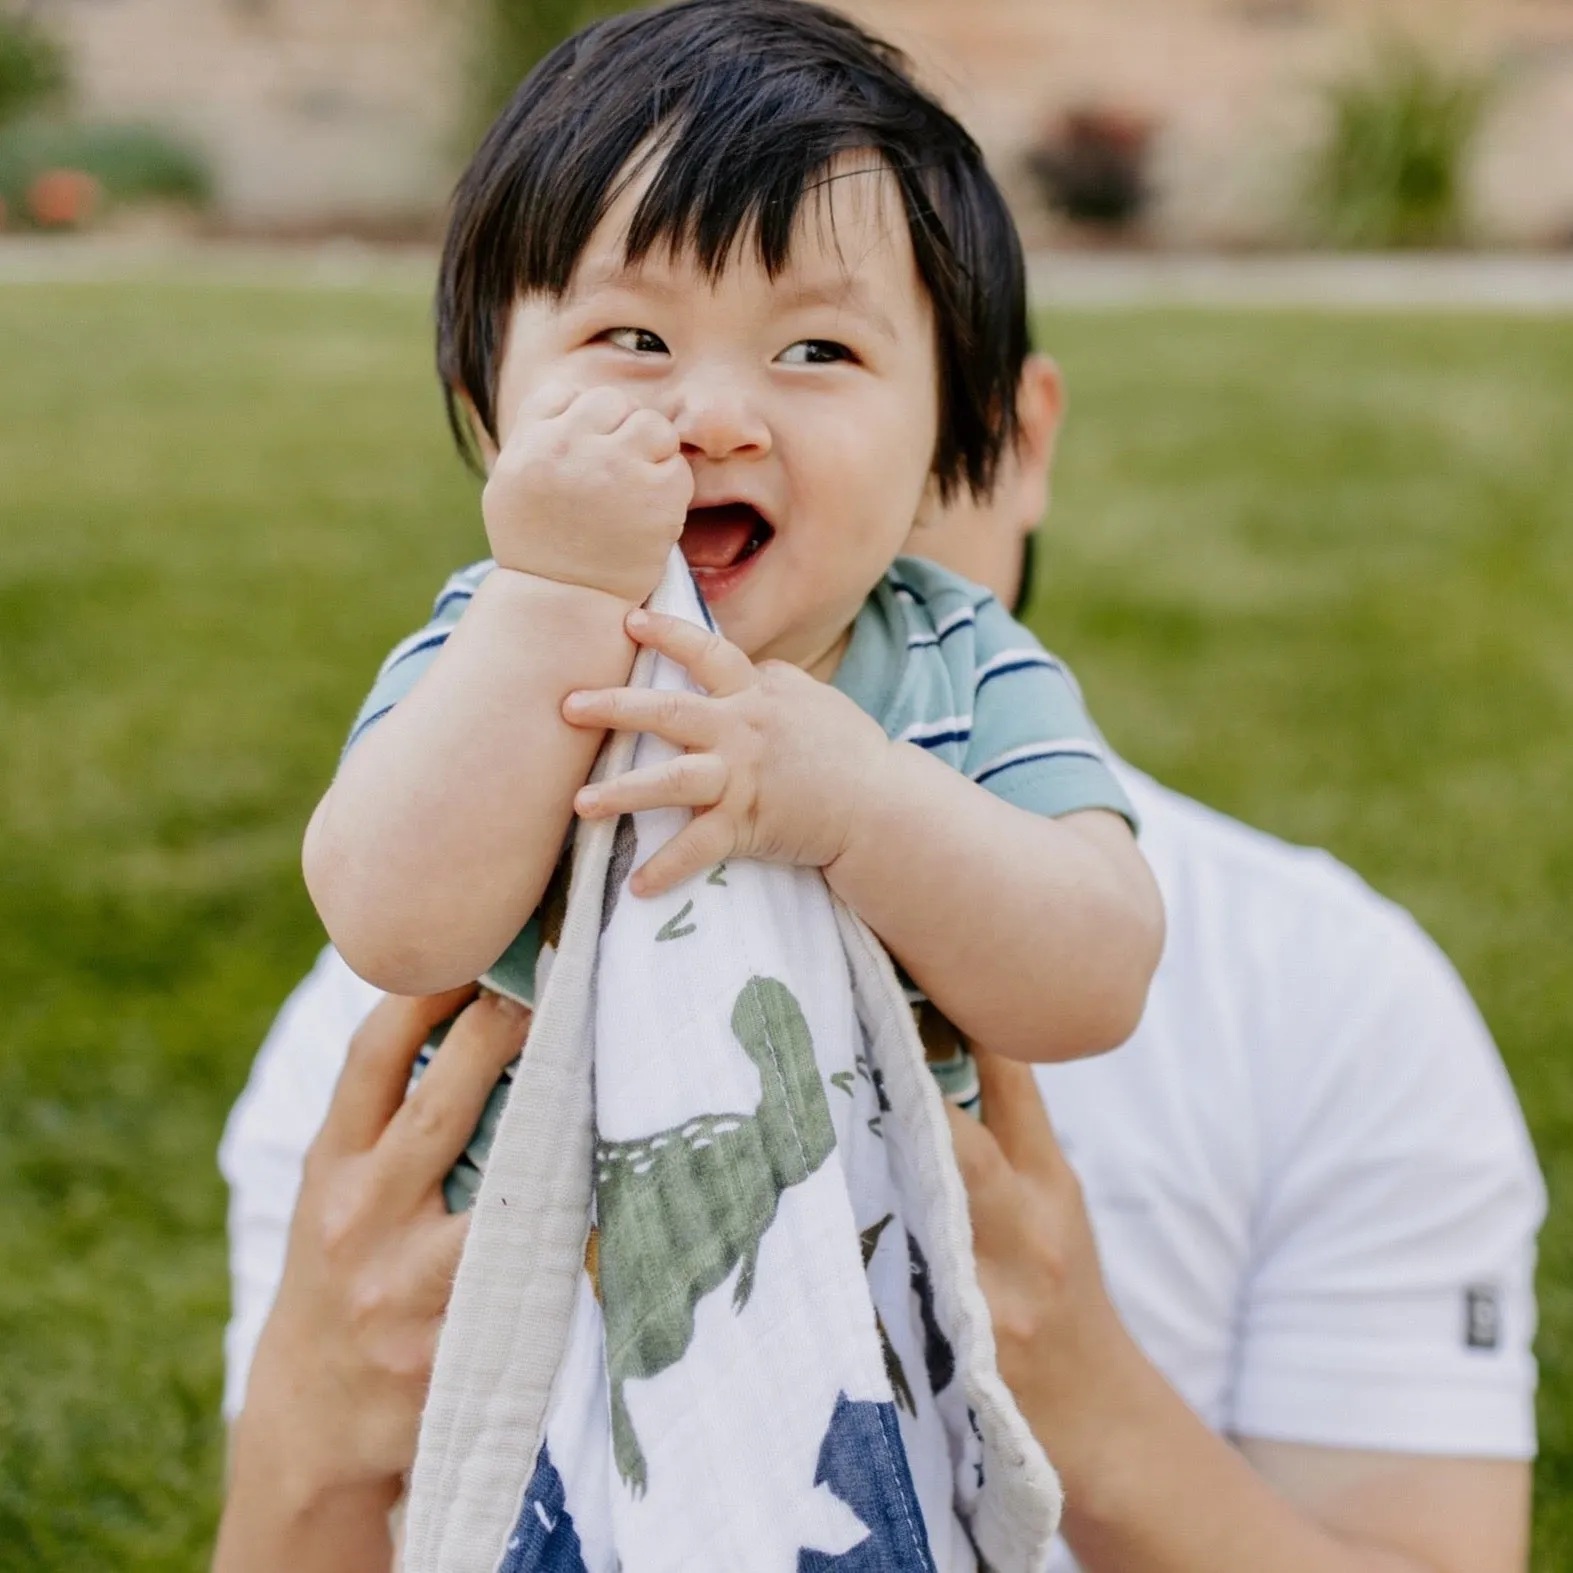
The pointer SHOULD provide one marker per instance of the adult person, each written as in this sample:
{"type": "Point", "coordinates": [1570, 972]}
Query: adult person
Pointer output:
{"type": "Point", "coordinates": [1266, 1296]}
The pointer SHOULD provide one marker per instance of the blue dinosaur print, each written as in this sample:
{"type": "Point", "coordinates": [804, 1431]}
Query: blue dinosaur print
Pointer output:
{"type": "Point", "coordinates": [544, 1540]}
{"type": "Point", "coordinates": [938, 1356]}
{"type": "Point", "coordinates": [864, 1462]}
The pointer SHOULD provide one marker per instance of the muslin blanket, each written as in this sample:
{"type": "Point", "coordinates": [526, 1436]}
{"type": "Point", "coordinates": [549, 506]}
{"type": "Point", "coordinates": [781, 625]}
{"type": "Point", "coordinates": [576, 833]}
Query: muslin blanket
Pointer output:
{"type": "Point", "coordinates": [717, 1308]}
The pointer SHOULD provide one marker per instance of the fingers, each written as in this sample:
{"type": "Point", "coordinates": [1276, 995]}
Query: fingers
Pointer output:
{"type": "Point", "coordinates": [377, 1067]}
{"type": "Point", "coordinates": [547, 402]}
{"type": "Point", "coordinates": [689, 781]}
{"type": "Point", "coordinates": [650, 433]}
{"type": "Point", "coordinates": [682, 718]}
{"type": "Point", "coordinates": [606, 412]}
{"type": "Point", "coordinates": [978, 1156]}
{"type": "Point", "coordinates": [706, 840]}
{"type": "Point", "coordinates": [599, 410]}
{"type": "Point", "coordinates": [714, 663]}
{"type": "Point", "coordinates": [1014, 1113]}
{"type": "Point", "coordinates": [433, 1125]}
{"type": "Point", "coordinates": [433, 1272]}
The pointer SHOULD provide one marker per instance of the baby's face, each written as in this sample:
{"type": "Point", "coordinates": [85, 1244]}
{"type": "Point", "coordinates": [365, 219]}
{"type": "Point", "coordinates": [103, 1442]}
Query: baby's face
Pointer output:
{"type": "Point", "coordinates": [807, 404]}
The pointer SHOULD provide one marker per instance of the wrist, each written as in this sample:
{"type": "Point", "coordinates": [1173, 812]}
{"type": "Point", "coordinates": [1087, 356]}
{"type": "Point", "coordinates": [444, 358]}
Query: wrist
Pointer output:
{"type": "Point", "coordinates": [1097, 1426]}
{"type": "Point", "coordinates": [282, 1510]}
{"type": "Point", "coordinates": [869, 799]}
{"type": "Point", "coordinates": [291, 1433]}
{"type": "Point", "coordinates": [292, 1458]}
{"type": "Point", "coordinates": [549, 595]}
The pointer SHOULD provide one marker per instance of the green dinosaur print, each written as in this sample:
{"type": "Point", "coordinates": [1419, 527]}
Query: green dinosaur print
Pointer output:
{"type": "Point", "coordinates": [679, 1209]}
{"type": "Point", "coordinates": [676, 926]}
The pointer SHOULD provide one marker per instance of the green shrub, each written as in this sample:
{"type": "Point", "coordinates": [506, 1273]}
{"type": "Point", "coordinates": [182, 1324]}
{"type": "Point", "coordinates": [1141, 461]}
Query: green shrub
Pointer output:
{"type": "Point", "coordinates": [1391, 169]}
{"type": "Point", "coordinates": [131, 163]}
{"type": "Point", "coordinates": [32, 68]}
{"type": "Point", "coordinates": [516, 34]}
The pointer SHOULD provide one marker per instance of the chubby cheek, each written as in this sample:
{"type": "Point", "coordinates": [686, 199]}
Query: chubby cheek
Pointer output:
{"type": "Point", "coordinates": [864, 477]}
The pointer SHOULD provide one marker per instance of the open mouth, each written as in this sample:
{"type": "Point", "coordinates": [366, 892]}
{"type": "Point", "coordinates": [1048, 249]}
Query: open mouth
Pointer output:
{"type": "Point", "coordinates": [719, 541]}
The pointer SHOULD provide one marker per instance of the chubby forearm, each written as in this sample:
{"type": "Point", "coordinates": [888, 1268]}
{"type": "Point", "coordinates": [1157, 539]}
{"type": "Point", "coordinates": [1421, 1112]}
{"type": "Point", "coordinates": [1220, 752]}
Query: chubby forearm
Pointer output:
{"type": "Point", "coordinates": [442, 827]}
{"type": "Point", "coordinates": [279, 1514]}
{"type": "Point", "coordinates": [1036, 936]}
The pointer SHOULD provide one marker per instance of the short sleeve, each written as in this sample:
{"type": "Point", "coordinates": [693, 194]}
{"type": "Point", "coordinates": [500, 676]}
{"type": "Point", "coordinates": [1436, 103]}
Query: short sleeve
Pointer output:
{"type": "Point", "coordinates": [1033, 742]}
{"type": "Point", "coordinates": [410, 658]}
{"type": "Point", "coordinates": [1391, 1299]}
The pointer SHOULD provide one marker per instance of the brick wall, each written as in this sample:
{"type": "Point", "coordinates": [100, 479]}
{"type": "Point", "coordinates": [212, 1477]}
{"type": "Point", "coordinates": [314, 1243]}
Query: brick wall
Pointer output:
{"type": "Point", "coordinates": [314, 112]}
{"type": "Point", "coordinates": [325, 111]}
{"type": "Point", "coordinates": [1235, 85]}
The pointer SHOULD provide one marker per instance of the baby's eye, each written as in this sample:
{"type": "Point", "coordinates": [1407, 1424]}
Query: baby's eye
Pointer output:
{"type": "Point", "coordinates": [640, 340]}
{"type": "Point", "coordinates": [814, 352]}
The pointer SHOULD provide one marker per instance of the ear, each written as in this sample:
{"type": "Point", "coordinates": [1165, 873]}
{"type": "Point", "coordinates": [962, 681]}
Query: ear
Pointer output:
{"type": "Point", "coordinates": [1040, 405]}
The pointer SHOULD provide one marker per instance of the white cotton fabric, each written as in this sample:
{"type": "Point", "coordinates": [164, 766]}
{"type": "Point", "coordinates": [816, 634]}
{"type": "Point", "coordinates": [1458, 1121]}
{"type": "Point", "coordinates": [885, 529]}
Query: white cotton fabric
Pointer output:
{"type": "Point", "coordinates": [798, 1415]}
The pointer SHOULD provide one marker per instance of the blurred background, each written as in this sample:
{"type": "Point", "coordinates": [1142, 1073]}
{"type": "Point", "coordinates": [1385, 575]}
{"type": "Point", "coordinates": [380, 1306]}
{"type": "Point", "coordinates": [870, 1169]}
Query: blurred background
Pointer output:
{"type": "Point", "coordinates": [1308, 266]}
{"type": "Point", "coordinates": [1218, 123]}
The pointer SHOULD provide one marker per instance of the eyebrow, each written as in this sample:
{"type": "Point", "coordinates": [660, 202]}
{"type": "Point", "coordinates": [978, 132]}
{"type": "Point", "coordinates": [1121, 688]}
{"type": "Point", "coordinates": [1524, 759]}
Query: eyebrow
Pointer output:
{"type": "Point", "coordinates": [847, 294]}
{"type": "Point", "coordinates": [844, 294]}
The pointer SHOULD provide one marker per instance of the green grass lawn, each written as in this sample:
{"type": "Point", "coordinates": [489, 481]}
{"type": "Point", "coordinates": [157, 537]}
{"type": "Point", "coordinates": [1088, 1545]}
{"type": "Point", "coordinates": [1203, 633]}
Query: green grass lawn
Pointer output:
{"type": "Point", "coordinates": [1315, 570]}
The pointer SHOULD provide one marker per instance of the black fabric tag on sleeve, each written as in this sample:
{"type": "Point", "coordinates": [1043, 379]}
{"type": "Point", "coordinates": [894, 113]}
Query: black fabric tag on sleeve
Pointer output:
{"type": "Point", "coordinates": [1482, 1317]}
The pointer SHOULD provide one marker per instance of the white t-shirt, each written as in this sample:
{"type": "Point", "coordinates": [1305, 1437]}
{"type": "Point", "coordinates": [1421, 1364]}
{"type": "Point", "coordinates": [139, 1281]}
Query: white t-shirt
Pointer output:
{"type": "Point", "coordinates": [1311, 1186]}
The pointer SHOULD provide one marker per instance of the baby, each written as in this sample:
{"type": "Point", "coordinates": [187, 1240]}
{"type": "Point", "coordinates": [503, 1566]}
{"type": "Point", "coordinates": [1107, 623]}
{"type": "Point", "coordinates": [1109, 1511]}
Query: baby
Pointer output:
{"type": "Point", "coordinates": [722, 276]}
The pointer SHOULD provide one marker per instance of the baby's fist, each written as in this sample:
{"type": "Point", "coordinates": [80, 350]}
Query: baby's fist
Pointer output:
{"type": "Point", "coordinates": [589, 488]}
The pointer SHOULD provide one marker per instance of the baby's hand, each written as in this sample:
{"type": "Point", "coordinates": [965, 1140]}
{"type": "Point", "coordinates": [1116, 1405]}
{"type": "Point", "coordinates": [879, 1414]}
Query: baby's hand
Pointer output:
{"type": "Point", "coordinates": [589, 489]}
{"type": "Point", "coordinates": [777, 765]}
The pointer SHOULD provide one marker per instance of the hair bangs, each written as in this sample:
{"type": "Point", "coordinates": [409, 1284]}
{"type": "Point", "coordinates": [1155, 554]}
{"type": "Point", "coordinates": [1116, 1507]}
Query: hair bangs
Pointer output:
{"type": "Point", "coordinates": [734, 112]}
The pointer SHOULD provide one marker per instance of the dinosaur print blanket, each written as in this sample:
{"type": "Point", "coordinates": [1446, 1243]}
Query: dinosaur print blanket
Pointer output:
{"type": "Point", "coordinates": [717, 1308]}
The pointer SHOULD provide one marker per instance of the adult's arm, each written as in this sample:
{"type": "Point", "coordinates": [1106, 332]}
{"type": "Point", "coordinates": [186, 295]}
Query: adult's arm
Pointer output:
{"type": "Point", "coordinates": [333, 1403]}
{"type": "Point", "coordinates": [1149, 1488]}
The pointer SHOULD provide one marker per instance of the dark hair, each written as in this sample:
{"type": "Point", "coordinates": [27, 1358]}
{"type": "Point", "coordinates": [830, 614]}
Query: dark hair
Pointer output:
{"type": "Point", "coordinates": [746, 102]}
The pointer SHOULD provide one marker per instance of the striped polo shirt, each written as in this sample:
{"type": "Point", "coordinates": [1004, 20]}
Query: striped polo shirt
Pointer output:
{"type": "Point", "coordinates": [941, 664]}
{"type": "Point", "coordinates": [938, 662]}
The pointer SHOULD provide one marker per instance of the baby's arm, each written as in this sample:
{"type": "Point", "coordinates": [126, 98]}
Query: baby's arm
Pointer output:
{"type": "Point", "coordinates": [439, 833]}
{"type": "Point", "coordinates": [434, 842]}
{"type": "Point", "coordinates": [1036, 936]}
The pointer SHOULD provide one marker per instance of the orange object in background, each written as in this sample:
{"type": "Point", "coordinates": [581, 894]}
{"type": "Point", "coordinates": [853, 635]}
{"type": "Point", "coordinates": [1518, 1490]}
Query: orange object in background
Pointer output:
{"type": "Point", "coordinates": [63, 198]}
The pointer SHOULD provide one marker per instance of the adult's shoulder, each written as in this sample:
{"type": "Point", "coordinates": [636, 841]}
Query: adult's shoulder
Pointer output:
{"type": "Point", "coordinates": [1356, 1032]}
{"type": "Point", "coordinates": [1190, 843]}
{"type": "Point", "coordinates": [1264, 912]}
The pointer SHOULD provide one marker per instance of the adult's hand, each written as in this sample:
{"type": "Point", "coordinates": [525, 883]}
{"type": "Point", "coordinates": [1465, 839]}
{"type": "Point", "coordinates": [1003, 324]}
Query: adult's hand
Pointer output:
{"type": "Point", "coordinates": [1061, 1347]}
{"type": "Point", "coordinates": [334, 1399]}
{"type": "Point", "coordinates": [1148, 1487]}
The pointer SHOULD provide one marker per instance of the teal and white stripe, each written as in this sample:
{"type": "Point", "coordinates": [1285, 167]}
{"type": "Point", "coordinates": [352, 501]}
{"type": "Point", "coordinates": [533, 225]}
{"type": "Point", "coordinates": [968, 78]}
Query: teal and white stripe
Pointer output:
{"type": "Point", "coordinates": [937, 661]}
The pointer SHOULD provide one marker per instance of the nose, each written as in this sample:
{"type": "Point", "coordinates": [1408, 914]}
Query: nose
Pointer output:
{"type": "Point", "coordinates": [717, 419]}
